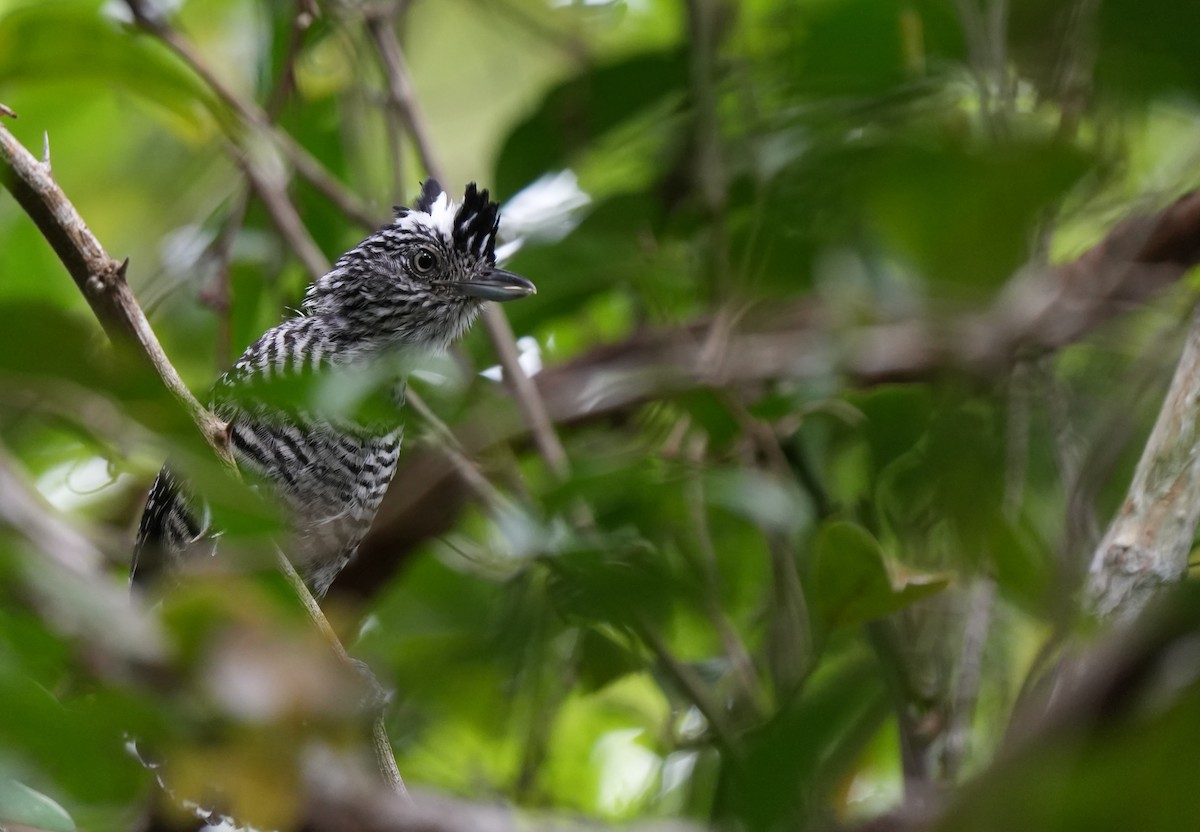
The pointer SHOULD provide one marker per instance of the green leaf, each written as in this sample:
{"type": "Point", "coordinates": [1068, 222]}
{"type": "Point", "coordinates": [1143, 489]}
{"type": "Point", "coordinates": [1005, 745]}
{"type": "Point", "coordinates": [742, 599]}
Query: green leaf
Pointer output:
{"type": "Point", "coordinates": [73, 42]}
{"type": "Point", "coordinates": [580, 110]}
{"type": "Point", "coordinates": [1147, 48]}
{"type": "Point", "coordinates": [866, 47]}
{"type": "Point", "coordinates": [805, 748]}
{"type": "Point", "coordinates": [965, 216]}
{"type": "Point", "coordinates": [23, 806]}
{"type": "Point", "coordinates": [851, 583]}
{"type": "Point", "coordinates": [602, 660]}
{"type": "Point", "coordinates": [620, 584]}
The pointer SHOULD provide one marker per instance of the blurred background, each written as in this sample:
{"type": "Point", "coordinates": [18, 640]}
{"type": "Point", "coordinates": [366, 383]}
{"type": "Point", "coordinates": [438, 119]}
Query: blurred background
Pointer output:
{"type": "Point", "coordinates": [819, 486]}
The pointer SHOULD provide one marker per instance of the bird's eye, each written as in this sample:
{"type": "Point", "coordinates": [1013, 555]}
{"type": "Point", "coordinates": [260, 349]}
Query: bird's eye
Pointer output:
{"type": "Point", "coordinates": [424, 262]}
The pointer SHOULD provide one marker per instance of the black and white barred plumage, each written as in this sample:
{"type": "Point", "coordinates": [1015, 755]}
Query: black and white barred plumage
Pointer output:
{"type": "Point", "coordinates": [418, 282]}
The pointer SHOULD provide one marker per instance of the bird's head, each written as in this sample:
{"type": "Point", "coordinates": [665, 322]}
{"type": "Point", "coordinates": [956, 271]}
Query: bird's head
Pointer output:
{"type": "Point", "coordinates": [422, 278]}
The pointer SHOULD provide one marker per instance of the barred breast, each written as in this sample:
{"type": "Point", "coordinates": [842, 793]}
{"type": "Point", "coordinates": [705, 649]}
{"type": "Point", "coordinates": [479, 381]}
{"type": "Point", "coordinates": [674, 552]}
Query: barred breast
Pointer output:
{"type": "Point", "coordinates": [330, 484]}
{"type": "Point", "coordinates": [329, 475]}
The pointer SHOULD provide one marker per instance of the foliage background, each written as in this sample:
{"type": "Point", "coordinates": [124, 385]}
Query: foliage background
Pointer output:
{"type": "Point", "coordinates": [794, 601]}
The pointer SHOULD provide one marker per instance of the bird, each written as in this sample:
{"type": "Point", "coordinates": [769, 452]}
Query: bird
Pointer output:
{"type": "Point", "coordinates": [417, 283]}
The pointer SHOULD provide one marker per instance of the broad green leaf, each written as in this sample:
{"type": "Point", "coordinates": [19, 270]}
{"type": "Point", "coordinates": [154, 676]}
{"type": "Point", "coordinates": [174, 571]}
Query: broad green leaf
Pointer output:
{"type": "Point", "coordinates": [799, 753]}
{"type": "Point", "coordinates": [963, 216]}
{"type": "Point", "coordinates": [850, 582]}
{"type": "Point", "coordinates": [23, 806]}
{"type": "Point", "coordinates": [582, 109]}
{"type": "Point", "coordinates": [1146, 49]}
{"type": "Point", "coordinates": [73, 42]}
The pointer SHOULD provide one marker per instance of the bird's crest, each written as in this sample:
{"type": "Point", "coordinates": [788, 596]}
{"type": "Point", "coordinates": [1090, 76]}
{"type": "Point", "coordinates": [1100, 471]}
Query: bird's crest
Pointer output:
{"type": "Point", "coordinates": [471, 226]}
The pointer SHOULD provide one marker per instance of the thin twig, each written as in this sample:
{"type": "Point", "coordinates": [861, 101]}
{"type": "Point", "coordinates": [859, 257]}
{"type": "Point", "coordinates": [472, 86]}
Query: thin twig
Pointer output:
{"type": "Point", "coordinates": [689, 684]}
{"type": "Point", "coordinates": [218, 295]}
{"type": "Point", "coordinates": [401, 97]}
{"type": "Point", "coordinates": [99, 277]}
{"type": "Point", "coordinates": [302, 19]}
{"type": "Point", "coordinates": [23, 509]}
{"type": "Point", "coordinates": [257, 119]}
{"type": "Point", "coordinates": [384, 755]}
{"type": "Point", "coordinates": [735, 649]}
{"type": "Point", "coordinates": [978, 605]}
{"type": "Point", "coordinates": [285, 218]}
{"type": "Point", "coordinates": [488, 494]}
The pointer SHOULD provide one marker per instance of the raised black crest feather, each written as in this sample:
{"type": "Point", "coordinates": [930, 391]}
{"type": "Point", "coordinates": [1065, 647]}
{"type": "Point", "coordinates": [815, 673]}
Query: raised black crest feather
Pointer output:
{"type": "Point", "coordinates": [430, 191]}
{"type": "Point", "coordinates": [476, 223]}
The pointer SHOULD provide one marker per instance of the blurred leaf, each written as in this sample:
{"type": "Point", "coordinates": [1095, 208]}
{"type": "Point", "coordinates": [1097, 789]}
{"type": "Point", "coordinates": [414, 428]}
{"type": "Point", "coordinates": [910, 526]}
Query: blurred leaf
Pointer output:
{"type": "Point", "coordinates": [71, 41]}
{"type": "Point", "coordinates": [897, 416]}
{"type": "Point", "coordinates": [619, 585]}
{"type": "Point", "coordinates": [78, 742]}
{"type": "Point", "coordinates": [965, 216]}
{"type": "Point", "coordinates": [865, 47]}
{"type": "Point", "coordinates": [603, 660]}
{"type": "Point", "coordinates": [763, 499]}
{"type": "Point", "coordinates": [1145, 49]}
{"type": "Point", "coordinates": [850, 582]}
{"type": "Point", "coordinates": [781, 775]}
{"type": "Point", "coordinates": [23, 806]}
{"type": "Point", "coordinates": [1121, 774]}
{"type": "Point", "coordinates": [580, 110]}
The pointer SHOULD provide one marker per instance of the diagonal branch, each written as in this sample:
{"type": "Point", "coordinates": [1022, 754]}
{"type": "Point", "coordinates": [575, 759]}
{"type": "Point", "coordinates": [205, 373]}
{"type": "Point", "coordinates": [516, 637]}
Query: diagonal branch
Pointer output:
{"type": "Point", "coordinates": [99, 277]}
{"type": "Point", "coordinates": [102, 281]}
{"type": "Point", "coordinates": [1040, 313]}
{"type": "Point", "coordinates": [1147, 545]}
{"type": "Point", "coordinates": [256, 119]}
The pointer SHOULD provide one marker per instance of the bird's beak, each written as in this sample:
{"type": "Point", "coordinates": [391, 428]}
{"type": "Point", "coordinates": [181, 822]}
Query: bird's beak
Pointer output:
{"type": "Point", "coordinates": [497, 285]}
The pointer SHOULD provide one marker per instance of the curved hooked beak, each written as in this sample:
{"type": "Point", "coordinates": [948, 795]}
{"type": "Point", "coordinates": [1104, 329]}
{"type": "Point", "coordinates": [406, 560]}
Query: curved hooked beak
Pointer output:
{"type": "Point", "coordinates": [497, 285]}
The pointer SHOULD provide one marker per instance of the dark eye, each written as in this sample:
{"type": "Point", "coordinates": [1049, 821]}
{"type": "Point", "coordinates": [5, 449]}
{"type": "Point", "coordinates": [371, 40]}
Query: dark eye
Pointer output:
{"type": "Point", "coordinates": [424, 262]}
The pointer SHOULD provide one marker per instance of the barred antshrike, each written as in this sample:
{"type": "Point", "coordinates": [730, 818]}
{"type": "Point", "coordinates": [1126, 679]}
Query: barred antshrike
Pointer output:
{"type": "Point", "coordinates": [418, 282]}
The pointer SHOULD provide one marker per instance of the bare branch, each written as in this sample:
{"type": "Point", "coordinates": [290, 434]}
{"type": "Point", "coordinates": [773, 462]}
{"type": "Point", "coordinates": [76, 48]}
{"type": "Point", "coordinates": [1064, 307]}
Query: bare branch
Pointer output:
{"type": "Point", "coordinates": [402, 99]}
{"type": "Point", "coordinates": [99, 277]}
{"type": "Point", "coordinates": [256, 119]}
{"type": "Point", "coordinates": [1045, 311]}
{"type": "Point", "coordinates": [1146, 547]}
{"type": "Point", "coordinates": [382, 745]}
{"type": "Point", "coordinates": [529, 400]}
{"type": "Point", "coordinates": [339, 804]}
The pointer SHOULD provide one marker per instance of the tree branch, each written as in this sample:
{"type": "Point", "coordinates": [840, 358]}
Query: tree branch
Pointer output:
{"type": "Point", "coordinates": [1147, 544]}
{"type": "Point", "coordinates": [102, 281]}
{"type": "Point", "coordinates": [99, 277]}
{"type": "Point", "coordinates": [1040, 312]}
{"type": "Point", "coordinates": [255, 118]}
